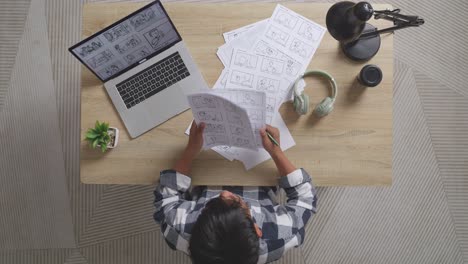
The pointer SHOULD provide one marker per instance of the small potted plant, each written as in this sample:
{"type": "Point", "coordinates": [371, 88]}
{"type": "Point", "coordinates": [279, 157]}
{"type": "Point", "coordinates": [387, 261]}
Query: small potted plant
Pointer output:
{"type": "Point", "coordinates": [102, 136]}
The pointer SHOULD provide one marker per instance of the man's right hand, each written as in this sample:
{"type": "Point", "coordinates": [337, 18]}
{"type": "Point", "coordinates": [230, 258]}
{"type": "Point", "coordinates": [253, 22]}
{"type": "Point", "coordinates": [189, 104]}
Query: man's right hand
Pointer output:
{"type": "Point", "coordinates": [269, 146]}
{"type": "Point", "coordinates": [281, 161]}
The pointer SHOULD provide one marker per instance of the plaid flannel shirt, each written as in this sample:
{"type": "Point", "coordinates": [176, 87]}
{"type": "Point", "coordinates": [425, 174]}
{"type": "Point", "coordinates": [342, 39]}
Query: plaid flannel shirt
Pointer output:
{"type": "Point", "coordinates": [178, 207]}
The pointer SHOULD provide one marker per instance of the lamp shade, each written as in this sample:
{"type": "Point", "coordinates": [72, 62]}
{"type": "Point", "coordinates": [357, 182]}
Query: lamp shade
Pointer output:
{"type": "Point", "coordinates": [346, 20]}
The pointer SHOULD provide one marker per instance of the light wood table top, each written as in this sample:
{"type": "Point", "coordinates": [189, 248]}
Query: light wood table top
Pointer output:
{"type": "Point", "coordinates": [351, 146]}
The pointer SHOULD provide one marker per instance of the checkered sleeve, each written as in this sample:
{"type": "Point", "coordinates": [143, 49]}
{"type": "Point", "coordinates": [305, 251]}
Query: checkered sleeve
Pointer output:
{"type": "Point", "coordinates": [290, 219]}
{"type": "Point", "coordinates": [173, 211]}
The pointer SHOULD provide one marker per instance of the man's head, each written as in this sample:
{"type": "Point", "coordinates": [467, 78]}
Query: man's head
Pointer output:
{"type": "Point", "coordinates": [225, 233]}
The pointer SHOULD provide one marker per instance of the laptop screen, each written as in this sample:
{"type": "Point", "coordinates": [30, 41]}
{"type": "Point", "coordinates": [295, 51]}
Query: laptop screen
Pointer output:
{"type": "Point", "coordinates": [124, 44]}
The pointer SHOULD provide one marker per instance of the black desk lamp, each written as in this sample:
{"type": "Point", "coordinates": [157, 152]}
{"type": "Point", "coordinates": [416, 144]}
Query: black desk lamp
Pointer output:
{"type": "Point", "coordinates": [346, 22]}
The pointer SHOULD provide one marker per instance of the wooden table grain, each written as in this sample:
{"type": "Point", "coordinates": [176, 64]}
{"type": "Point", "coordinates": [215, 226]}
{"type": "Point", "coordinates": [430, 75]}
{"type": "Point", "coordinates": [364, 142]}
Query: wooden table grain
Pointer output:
{"type": "Point", "coordinates": [350, 147]}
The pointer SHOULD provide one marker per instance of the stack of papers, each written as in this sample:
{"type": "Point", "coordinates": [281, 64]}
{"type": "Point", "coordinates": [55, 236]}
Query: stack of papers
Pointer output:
{"type": "Point", "coordinates": [267, 56]}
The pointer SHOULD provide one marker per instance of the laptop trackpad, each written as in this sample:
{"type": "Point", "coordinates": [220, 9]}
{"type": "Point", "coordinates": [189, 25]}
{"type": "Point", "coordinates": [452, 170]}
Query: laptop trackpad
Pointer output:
{"type": "Point", "coordinates": [168, 103]}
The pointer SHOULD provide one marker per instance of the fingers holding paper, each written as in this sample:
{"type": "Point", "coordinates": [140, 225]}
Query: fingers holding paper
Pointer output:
{"type": "Point", "coordinates": [195, 142]}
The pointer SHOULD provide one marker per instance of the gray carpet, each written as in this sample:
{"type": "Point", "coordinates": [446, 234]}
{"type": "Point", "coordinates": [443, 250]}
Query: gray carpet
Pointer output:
{"type": "Point", "coordinates": [48, 216]}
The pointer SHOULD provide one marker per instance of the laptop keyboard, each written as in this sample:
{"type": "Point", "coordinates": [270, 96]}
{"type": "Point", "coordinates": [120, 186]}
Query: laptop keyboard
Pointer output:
{"type": "Point", "coordinates": [152, 80]}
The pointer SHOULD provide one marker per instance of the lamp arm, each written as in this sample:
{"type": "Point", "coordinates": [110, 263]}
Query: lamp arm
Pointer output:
{"type": "Point", "coordinates": [399, 22]}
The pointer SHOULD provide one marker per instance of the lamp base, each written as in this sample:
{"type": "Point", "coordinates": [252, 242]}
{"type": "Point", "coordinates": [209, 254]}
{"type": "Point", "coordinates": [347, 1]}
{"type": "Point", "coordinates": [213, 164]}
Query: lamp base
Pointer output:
{"type": "Point", "coordinates": [363, 49]}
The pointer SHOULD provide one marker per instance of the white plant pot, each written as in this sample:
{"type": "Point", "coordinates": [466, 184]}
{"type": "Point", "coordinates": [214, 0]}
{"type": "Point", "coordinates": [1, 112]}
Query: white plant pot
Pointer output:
{"type": "Point", "coordinates": [114, 131]}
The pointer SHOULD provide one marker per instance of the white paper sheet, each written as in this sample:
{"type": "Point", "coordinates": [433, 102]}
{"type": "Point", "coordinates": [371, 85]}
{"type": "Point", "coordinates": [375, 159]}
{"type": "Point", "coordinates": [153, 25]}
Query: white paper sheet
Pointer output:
{"type": "Point", "coordinates": [229, 36]}
{"type": "Point", "coordinates": [231, 117]}
{"type": "Point", "coordinates": [245, 41]}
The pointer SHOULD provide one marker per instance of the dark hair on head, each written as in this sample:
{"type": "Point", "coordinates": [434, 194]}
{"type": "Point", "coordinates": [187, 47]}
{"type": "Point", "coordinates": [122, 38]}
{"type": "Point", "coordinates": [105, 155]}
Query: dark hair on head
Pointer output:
{"type": "Point", "coordinates": [224, 234]}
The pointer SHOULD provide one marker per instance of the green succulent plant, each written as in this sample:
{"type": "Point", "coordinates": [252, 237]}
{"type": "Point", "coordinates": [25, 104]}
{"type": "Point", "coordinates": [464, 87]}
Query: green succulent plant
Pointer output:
{"type": "Point", "coordinates": [98, 136]}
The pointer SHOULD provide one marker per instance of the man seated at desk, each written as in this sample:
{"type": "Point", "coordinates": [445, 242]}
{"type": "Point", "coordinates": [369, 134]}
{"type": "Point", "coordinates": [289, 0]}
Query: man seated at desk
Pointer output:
{"type": "Point", "coordinates": [233, 224]}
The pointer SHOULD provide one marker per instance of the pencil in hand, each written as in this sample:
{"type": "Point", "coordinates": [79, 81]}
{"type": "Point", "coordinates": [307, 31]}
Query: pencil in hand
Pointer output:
{"type": "Point", "coordinates": [272, 139]}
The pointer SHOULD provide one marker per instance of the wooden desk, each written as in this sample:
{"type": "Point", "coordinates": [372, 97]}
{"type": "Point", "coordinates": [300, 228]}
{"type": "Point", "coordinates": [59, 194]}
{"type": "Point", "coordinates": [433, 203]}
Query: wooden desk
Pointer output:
{"type": "Point", "coordinates": [352, 146]}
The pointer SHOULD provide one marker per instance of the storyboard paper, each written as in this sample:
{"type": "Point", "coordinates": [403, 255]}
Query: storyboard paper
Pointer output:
{"type": "Point", "coordinates": [257, 73]}
{"type": "Point", "coordinates": [229, 36]}
{"type": "Point", "coordinates": [244, 40]}
{"type": "Point", "coordinates": [292, 38]}
{"type": "Point", "coordinates": [254, 102]}
{"type": "Point", "coordinates": [228, 115]}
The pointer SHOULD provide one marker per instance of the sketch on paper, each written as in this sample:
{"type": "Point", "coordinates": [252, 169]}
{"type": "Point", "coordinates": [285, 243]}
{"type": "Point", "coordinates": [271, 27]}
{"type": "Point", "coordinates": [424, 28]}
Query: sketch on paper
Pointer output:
{"type": "Point", "coordinates": [143, 19]}
{"type": "Point", "coordinates": [210, 116]}
{"type": "Point", "coordinates": [285, 19]}
{"type": "Point", "coordinates": [160, 35]}
{"type": "Point", "coordinates": [258, 137]}
{"type": "Point", "coordinates": [89, 47]}
{"type": "Point", "coordinates": [227, 149]}
{"type": "Point", "coordinates": [241, 142]}
{"type": "Point", "coordinates": [267, 85]}
{"type": "Point", "coordinates": [137, 55]}
{"type": "Point", "coordinates": [255, 115]}
{"type": "Point", "coordinates": [242, 78]}
{"type": "Point", "coordinates": [243, 59]}
{"type": "Point", "coordinates": [251, 99]}
{"type": "Point", "coordinates": [238, 131]}
{"type": "Point", "coordinates": [300, 48]}
{"type": "Point", "coordinates": [112, 69]}
{"type": "Point", "coordinates": [310, 31]}
{"type": "Point", "coordinates": [100, 59]}
{"type": "Point", "coordinates": [204, 101]}
{"type": "Point", "coordinates": [235, 119]}
{"type": "Point", "coordinates": [128, 44]}
{"type": "Point", "coordinates": [270, 105]}
{"type": "Point", "coordinates": [272, 66]}
{"type": "Point", "coordinates": [268, 119]}
{"type": "Point", "coordinates": [292, 66]}
{"type": "Point", "coordinates": [215, 128]}
{"type": "Point", "coordinates": [230, 107]}
{"type": "Point", "coordinates": [264, 48]}
{"type": "Point", "coordinates": [216, 139]}
{"type": "Point", "coordinates": [277, 35]}
{"type": "Point", "coordinates": [117, 32]}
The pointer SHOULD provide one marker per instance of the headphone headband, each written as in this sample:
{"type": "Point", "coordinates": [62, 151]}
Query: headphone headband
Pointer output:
{"type": "Point", "coordinates": [317, 73]}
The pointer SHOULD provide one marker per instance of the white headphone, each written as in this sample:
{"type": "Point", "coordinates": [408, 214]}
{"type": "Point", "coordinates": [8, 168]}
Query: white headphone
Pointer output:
{"type": "Point", "coordinates": [301, 101]}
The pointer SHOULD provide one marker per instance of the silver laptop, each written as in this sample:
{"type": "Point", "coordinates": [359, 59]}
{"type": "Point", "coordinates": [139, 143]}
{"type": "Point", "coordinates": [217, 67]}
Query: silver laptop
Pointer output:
{"type": "Point", "coordinates": [145, 66]}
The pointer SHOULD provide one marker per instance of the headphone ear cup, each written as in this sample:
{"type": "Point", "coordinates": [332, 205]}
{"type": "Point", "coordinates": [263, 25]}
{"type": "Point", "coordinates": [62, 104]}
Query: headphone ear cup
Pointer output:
{"type": "Point", "coordinates": [324, 108]}
{"type": "Point", "coordinates": [297, 103]}
{"type": "Point", "coordinates": [301, 104]}
{"type": "Point", "coordinates": [304, 105]}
